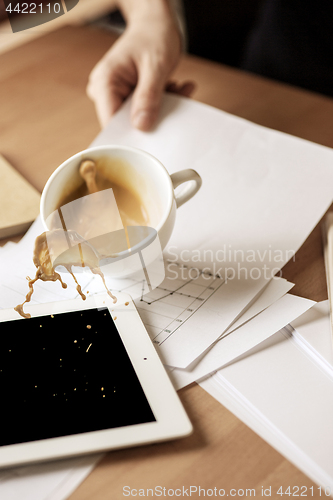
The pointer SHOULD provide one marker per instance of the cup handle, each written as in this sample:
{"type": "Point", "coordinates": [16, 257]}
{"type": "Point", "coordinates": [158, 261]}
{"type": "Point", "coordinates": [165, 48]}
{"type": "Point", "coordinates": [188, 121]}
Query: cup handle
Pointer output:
{"type": "Point", "coordinates": [193, 184]}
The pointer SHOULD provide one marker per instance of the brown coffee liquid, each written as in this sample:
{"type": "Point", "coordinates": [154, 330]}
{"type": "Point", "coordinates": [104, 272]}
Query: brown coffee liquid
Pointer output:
{"type": "Point", "coordinates": [131, 208]}
{"type": "Point", "coordinates": [76, 252]}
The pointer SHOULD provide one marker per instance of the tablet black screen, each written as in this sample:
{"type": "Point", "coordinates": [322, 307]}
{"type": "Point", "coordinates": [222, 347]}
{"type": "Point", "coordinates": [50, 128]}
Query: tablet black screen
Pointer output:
{"type": "Point", "coordinates": [66, 374]}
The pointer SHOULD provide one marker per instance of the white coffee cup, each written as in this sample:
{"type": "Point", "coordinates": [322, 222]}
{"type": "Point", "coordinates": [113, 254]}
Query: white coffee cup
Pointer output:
{"type": "Point", "coordinates": [140, 171]}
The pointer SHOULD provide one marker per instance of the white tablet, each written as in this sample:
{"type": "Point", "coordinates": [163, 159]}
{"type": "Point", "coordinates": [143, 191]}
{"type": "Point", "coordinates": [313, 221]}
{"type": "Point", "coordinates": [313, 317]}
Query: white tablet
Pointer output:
{"type": "Point", "coordinates": [81, 377]}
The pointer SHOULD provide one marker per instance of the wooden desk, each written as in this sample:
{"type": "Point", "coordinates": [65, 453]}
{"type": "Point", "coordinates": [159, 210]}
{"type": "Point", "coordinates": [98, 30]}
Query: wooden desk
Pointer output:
{"type": "Point", "coordinates": [45, 118]}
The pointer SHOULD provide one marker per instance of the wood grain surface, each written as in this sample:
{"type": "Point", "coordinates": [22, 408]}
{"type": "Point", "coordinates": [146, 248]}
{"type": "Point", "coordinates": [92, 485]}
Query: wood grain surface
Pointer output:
{"type": "Point", "coordinates": [45, 118]}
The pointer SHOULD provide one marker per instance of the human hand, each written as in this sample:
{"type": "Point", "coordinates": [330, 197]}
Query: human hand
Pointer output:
{"type": "Point", "coordinates": [141, 60]}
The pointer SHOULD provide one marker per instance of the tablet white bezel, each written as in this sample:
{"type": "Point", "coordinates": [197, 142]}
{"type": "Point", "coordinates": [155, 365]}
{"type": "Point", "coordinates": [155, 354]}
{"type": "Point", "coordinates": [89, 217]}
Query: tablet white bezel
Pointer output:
{"type": "Point", "coordinates": [171, 419]}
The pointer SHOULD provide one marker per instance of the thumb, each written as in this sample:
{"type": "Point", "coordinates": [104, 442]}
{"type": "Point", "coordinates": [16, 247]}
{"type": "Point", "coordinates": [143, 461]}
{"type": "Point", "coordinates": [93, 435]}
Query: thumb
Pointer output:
{"type": "Point", "coordinates": [147, 97]}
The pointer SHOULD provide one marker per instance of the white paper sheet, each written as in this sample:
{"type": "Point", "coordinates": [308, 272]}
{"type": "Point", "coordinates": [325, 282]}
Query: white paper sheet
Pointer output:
{"type": "Point", "coordinates": [49, 481]}
{"type": "Point", "coordinates": [275, 289]}
{"type": "Point", "coordinates": [283, 390]}
{"type": "Point", "coordinates": [246, 337]}
{"type": "Point", "coordinates": [314, 327]}
{"type": "Point", "coordinates": [262, 193]}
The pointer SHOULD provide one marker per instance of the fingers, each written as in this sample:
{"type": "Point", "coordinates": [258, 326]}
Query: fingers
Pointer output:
{"type": "Point", "coordinates": [106, 102]}
{"type": "Point", "coordinates": [147, 97]}
{"type": "Point", "coordinates": [117, 74]}
{"type": "Point", "coordinates": [185, 89]}
{"type": "Point", "coordinates": [109, 84]}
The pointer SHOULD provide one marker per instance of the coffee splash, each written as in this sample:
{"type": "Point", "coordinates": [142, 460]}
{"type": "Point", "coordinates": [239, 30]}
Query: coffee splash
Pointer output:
{"type": "Point", "coordinates": [72, 248]}
{"type": "Point", "coordinates": [103, 174]}
{"type": "Point", "coordinates": [88, 173]}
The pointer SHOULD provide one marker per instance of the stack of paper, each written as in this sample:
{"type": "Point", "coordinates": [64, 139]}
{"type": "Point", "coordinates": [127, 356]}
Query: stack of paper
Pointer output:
{"type": "Point", "coordinates": [291, 405]}
{"type": "Point", "coordinates": [262, 194]}
{"type": "Point", "coordinates": [260, 198]}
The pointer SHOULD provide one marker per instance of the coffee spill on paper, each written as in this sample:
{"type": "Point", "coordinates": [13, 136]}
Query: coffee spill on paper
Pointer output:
{"type": "Point", "coordinates": [81, 254]}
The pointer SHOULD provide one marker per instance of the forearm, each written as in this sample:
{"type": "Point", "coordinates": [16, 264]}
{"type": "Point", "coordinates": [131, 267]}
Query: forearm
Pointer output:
{"type": "Point", "coordinates": [152, 9]}
{"type": "Point", "coordinates": [162, 14]}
